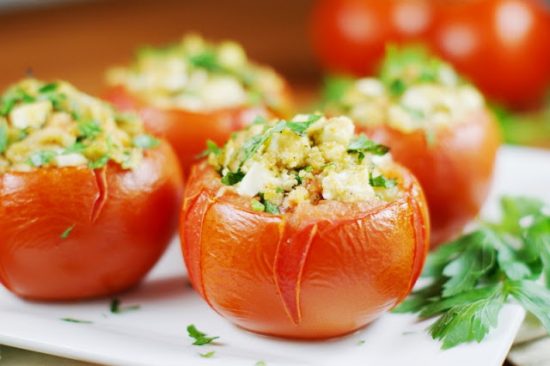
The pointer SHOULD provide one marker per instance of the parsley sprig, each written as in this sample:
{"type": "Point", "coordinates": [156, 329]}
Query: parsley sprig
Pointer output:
{"type": "Point", "coordinates": [473, 277]}
{"type": "Point", "coordinates": [200, 338]}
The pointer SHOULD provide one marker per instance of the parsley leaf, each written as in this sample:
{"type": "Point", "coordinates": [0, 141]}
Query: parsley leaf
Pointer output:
{"type": "Point", "coordinates": [382, 182]}
{"type": "Point", "coordinates": [211, 148]}
{"type": "Point", "coordinates": [115, 307]}
{"type": "Point", "coordinates": [207, 354]}
{"type": "Point", "coordinates": [3, 136]}
{"type": "Point", "coordinates": [40, 158]}
{"type": "Point", "coordinates": [206, 60]}
{"type": "Point", "coordinates": [88, 129]}
{"type": "Point", "coordinates": [200, 338]}
{"type": "Point", "coordinates": [301, 127]}
{"type": "Point", "coordinates": [257, 205]}
{"type": "Point", "coordinates": [231, 178]}
{"type": "Point", "coordinates": [271, 208]}
{"type": "Point", "coordinates": [65, 234]}
{"type": "Point", "coordinates": [467, 322]}
{"type": "Point", "coordinates": [362, 144]}
{"type": "Point", "coordinates": [73, 320]}
{"type": "Point", "coordinates": [47, 88]}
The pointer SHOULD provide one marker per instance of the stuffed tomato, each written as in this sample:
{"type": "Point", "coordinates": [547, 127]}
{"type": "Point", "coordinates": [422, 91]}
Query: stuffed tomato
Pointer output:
{"type": "Point", "coordinates": [196, 91]}
{"type": "Point", "coordinates": [436, 124]}
{"type": "Point", "coordinates": [88, 201]}
{"type": "Point", "coordinates": [300, 229]}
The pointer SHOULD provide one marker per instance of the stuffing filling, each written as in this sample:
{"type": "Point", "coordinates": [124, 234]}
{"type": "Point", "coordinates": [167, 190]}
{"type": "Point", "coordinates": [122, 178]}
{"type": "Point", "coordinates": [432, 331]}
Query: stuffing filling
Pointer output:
{"type": "Point", "coordinates": [279, 164]}
{"type": "Point", "coordinates": [413, 91]}
{"type": "Point", "coordinates": [199, 76]}
{"type": "Point", "coordinates": [55, 125]}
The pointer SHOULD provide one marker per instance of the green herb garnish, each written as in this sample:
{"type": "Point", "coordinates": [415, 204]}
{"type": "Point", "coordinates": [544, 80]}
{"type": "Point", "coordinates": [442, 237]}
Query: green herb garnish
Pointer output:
{"type": "Point", "coordinates": [257, 205]}
{"type": "Point", "coordinates": [301, 127]}
{"type": "Point", "coordinates": [271, 208]}
{"type": "Point", "coordinates": [146, 141]}
{"type": "Point", "coordinates": [99, 163]}
{"type": "Point", "coordinates": [207, 354]}
{"type": "Point", "coordinates": [382, 182]}
{"type": "Point", "coordinates": [116, 308]}
{"type": "Point", "coordinates": [79, 321]}
{"type": "Point", "coordinates": [261, 363]}
{"type": "Point", "coordinates": [65, 234]}
{"type": "Point", "coordinates": [230, 179]}
{"type": "Point", "coordinates": [471, 278]}
{"type": "Point", "coordinates": [3, 136]}
{"type": "Point", "coordinates": [88, 129]}
{"type": "Point", "coordinates": [48, 88]}
{"type": "Point", "coordinates": [200, 338]}
{"type": "Point", "coordinates": [362, 144]}
{"type": "Point", "coordinates": [211, 148]}
{"type": "Point", "coordinates": [206, 60]}
{"type": "Point", "coordinates": [41, 158]}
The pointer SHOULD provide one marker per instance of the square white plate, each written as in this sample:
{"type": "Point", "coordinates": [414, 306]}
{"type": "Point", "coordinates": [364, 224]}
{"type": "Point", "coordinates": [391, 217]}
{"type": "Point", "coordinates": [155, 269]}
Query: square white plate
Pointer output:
{"type": "Point", "coordinates": [156, 334]}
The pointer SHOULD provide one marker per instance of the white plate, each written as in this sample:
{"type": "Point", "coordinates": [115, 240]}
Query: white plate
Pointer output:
{"type": "Point", "coordinates": [156, 334]}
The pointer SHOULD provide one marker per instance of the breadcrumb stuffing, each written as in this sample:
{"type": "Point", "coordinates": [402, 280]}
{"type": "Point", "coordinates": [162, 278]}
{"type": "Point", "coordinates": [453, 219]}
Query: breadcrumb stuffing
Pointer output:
{"type": "Point", "coordinates": [309, 158]}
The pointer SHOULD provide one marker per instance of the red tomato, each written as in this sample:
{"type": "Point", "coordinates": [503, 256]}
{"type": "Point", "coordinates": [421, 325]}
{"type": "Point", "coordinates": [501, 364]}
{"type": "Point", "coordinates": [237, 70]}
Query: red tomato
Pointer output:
{"type": "Point", "coordinates": [455, 171]}
{"type": "Point", "coordinates": [320, 271]}
{"type": "Point", "coordinates": [121, 222]}
{"type": "Point", "coordinates": [188, 131]}
{"type": "Point", "coordinates": [502, 45]}
{"type": "Point", "coordinates": [351, 35]}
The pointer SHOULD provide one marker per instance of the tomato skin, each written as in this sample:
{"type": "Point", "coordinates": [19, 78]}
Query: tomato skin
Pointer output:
{"type": "Point", "coordinates": [455, 172]}
{"type": "Point", "coordinates": [350, 36]}
{"type": "Point", "coordinates": [321, 271]}
{"type": "Point", "coordinates": [123, 221]}
{"type": "Point", "coordinates": [502, 45]}
{"type": "Point", "coordinates": [188, 131]}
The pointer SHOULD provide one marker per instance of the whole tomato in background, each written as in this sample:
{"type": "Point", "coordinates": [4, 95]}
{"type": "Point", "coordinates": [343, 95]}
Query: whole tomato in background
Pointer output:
{"type": "Point", "coordinates": [320, 271]}
{"type": "Point", "coordinates": [351, 35]}
{"type": "Point", "coordinates": [73, 233]}
{"type": "Point", "coordinates": [503, 46]}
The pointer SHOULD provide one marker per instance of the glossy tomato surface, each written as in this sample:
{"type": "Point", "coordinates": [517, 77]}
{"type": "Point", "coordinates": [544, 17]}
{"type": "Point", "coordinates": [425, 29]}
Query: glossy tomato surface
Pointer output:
{"type": "Point", "coordinates": [455, 169]}
{"type": "Point", "coordinates": [187, 131]}
{"type": "Point", "coordinates": [350, 36]}
{"type": "Point", "coordinates": [502, 45]}
{"type": "Point", "coordinates": [321, 271]}
{"type": "Point", "coordinates": [121, 223]}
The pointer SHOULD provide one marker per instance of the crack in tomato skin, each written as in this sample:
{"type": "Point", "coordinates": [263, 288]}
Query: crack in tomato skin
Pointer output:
{"type": "Point", "coordinates": [288, 267]}
{"type": "Point", "coordinates": [100, 200]}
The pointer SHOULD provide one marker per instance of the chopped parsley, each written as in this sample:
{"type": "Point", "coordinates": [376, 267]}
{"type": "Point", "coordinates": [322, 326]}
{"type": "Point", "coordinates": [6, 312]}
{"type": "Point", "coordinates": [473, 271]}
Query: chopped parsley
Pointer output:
{"type": "Point", "coordinates": [211, 148]}
{"type": "Point", "coordinates": [200, 338]}
{"type": "Point", "coordinates": [79, 321]}
{"type": "Point", "coordinates": [89, 129]}
{"type": "Point", "coordinates": [207, 354]}
{"type": "Point", "coordinates": [41, 158]}
{"type": "Point", "coordinates": [257, 205]}
{"type": "Point", "coordinates": [65, 234]}
{"type": "Point", "coordinates": [116, 308]}
{"type": "Point", "coordinates": [99, 163]}
{"type": "Point", "coordinates": [48, 88]}
{"type": "Point", "coordinates": [301, 127]}
{"type": "Point", "coordinates": [363, 145]}
{"type": "Point", "coordinates": [230, 179]}
{"type": "Point", "coordinates": [3, 136]}
{"type": "Point", "coordinates": [206, 60]}
{"type": "Point", "coordinates": [382, 182]}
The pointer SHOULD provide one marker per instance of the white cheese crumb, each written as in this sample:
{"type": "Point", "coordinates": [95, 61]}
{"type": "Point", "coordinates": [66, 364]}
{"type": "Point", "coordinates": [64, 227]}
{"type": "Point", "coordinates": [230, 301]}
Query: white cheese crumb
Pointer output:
{"type": "Point", "coordinates": [30, 115]}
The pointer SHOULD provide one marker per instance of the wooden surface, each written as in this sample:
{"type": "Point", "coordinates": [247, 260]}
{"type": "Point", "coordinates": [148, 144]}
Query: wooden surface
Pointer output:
{"type": "Point", "coordinates": [79, 40]}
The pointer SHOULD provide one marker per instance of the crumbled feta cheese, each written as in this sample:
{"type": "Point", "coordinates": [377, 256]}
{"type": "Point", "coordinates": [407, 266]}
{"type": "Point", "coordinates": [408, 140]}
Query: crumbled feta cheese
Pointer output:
{"type": "Point", "coordinates": [255, 180]}
{"type": "Point", "coordinates": [73, 159]}
{"type": "Point", "coordinates": [31, 115]}
{"type": "Point", "coordinates": [370, 87]}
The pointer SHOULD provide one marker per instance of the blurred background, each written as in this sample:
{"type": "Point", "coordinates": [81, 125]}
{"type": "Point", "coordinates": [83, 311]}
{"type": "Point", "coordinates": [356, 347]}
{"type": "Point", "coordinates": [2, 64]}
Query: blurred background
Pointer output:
{"type": "Point", "coordinates": [501, 45]}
